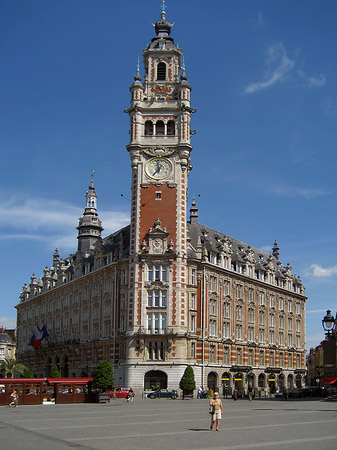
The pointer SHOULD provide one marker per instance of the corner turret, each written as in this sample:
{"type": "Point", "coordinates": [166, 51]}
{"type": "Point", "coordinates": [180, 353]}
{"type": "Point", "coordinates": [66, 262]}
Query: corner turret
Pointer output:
{"type": "Point", "coordinates": [90, 226]}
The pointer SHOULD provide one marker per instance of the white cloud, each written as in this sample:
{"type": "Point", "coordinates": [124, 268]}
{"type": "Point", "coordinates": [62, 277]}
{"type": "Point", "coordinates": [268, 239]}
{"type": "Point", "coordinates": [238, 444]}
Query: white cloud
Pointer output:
{"type": "Point", "coordinates": [8, 322]}
{"type": "Point", "coordinates": [279, 65]}
{"type": "Point", "coordinates": [312, 81]}
{"type": "Point", "coordinates": [307, 193]}
{"type": "Point", "coordinates": [33, 214]}
{"type": "Point", "coordinates": [260, 20]}
{"type": "Point", "coordinates": [330, 106]}
{"type": "Point", "coordinates": [314, 339]}
{"type": "Point", "coordinates": [50, 222]}
{"type": "Point", "coordinates": [318, 271]}
{"type": "Point", "coordinates": [267, 248]}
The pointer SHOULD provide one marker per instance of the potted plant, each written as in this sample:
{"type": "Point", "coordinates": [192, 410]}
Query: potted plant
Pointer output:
{"type": "Point", "coordinates": [54, 371]}
{"type": "Point", "coordinates": [103, 381]}
{"type": "Point", "coordinates": [27, 374]}
{"type": "Point", "coordinates": [187, 383]}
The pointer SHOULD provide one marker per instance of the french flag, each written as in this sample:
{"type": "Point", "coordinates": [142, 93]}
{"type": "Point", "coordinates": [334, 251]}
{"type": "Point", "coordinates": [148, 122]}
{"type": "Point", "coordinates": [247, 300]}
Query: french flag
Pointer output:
{"type": "Point", "coordinates": [38, 335]}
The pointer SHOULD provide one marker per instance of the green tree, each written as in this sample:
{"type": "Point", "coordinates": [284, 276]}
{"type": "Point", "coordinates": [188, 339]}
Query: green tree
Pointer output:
{"type": "Point", "coordinates": [10, 366]}
{"type": "Point", "coordinates": [27, 374]}
{"type": "Point", "coordinates": [103, 377]}
{"type": "Point", "coordinates": [54, 372]}
{"type": "Point", "coordinates": [187, 382]}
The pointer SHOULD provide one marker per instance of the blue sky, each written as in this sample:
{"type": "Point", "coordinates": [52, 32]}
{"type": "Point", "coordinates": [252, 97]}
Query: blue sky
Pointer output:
{"type": "Point", "coordinates": [263, 75]}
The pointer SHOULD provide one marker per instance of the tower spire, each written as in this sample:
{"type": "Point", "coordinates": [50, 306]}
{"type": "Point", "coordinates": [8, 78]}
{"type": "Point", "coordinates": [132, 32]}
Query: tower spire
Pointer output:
{"type": "Point", "coordinates": [89, 226]}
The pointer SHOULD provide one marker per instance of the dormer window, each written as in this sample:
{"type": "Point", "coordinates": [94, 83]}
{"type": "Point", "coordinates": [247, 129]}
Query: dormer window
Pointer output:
{"type": "Point", "coordinates": [161, 71]}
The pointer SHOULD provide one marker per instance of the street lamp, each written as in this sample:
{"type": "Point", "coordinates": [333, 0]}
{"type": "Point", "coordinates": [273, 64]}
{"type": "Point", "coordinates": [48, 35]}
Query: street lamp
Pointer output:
{"type": "Point", "coordinates": [328, 322]}
{"type": "Point", "coordinates": [319, 371]}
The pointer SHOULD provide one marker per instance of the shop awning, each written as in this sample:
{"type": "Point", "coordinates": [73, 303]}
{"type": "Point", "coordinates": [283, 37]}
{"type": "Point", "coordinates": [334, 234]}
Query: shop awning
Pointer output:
{"type": "Point", "coordinates": [329, 380]}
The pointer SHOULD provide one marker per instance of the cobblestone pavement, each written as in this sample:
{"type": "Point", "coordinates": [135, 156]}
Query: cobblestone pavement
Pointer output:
{"type": "Point", "coordinates": [164, 424]}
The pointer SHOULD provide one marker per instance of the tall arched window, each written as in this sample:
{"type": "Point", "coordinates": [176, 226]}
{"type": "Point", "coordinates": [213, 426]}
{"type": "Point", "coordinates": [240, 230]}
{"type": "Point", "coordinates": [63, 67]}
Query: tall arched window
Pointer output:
{"type": "Point", "coordinates": [161, 71]}
{"type": "Point", "coordinates": [160, 128]}
{"type": "Point", "coordinates": [148, 128]}
{"type": "Point", "coordinates": [171, 128]}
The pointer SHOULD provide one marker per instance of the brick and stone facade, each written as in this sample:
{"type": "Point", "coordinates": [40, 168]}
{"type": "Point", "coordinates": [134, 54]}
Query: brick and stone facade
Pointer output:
{"type": "Point", "coordinates": [165, 291]}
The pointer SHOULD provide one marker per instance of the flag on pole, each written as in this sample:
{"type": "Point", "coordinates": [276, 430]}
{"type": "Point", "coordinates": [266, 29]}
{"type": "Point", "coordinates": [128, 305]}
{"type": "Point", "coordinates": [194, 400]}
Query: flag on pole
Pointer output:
{"type": "Point", "coordinates": [38, 335]}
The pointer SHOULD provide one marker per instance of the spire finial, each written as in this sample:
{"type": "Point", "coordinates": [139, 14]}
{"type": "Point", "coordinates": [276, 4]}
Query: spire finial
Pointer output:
{"type": "Point", "coordinates": [183, 64]}
{"type": "Point", "coordinates": [92, 180]}
{"type": "Point", "coordinates": [137, 77]}
{"type": "Point", "coordinates": [183, 75]}
{"type": "Point", "coordinates": [163, 8]}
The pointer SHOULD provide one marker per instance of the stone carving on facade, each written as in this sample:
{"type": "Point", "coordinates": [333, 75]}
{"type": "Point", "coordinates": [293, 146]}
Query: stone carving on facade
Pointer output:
{"type": "Point", "coordinates": [158, 151]}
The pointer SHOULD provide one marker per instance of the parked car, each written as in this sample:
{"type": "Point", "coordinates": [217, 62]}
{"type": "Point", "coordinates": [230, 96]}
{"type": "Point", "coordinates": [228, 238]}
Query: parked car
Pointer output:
{"type": "Point", "coordinates": [162, 393]}
{"type": "Point", "coordinates": [301, 393]}
{"type": "Point", "coordinates": [315, 391]}
{"type": "Point", "coordinates": [121, 392]}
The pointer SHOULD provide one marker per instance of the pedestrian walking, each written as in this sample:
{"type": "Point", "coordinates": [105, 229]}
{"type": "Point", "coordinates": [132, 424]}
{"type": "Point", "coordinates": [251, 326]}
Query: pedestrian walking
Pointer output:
{"type": "Point", "coordinates": [129, 397]}
{"type": "Point", "coordinates": [215, 409]}
{"type": "Point", "coordinates": [250, 393]}
{"type": "Point", "coordinates": [15, 399]}
{"type": "Point", "coordinates": [235, 394]}
{"type": "Point", "coordinates": [199, 393]}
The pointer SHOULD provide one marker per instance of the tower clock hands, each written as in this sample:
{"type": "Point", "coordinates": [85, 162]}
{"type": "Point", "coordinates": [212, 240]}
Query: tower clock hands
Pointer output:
{"type": "Point", "coordinates": [157, 168]}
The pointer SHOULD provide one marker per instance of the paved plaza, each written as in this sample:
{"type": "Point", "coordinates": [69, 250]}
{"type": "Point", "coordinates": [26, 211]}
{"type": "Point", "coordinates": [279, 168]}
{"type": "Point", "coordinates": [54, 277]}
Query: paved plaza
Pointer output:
{"type": "Point", "coordinates": [163, 424]}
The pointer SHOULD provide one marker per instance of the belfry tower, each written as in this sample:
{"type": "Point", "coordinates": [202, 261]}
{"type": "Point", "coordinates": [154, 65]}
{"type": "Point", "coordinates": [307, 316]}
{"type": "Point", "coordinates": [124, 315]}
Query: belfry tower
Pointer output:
{"type": "Point", "coordinates": [89, 225]}
{"type": "Point", "coordinates": [159, 149]}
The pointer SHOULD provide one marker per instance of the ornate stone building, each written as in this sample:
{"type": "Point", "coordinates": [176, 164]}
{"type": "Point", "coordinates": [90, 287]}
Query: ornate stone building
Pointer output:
{"type": "Point", "coordinates": [165, 291]}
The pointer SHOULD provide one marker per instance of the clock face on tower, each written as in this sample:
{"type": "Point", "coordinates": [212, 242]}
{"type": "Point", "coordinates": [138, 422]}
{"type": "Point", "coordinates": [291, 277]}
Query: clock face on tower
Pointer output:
{"type": "Point", "coordinates": [159, 168]}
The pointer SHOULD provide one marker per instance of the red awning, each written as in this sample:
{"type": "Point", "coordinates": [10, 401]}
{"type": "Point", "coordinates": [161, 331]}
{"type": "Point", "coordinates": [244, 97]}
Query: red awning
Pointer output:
{"type": "Point", "coordinates": [22, 380]}
{"type": "Point", "coordinates": [69, 380]}
{"type": "Point", "coordinates": [329, 380]}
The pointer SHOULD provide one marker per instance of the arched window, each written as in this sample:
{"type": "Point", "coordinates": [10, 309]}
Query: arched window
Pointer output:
{"type": "Point", "coordinates": [161, 71]}
{"type": "Point", "coordinates": [155, 379]}
{"type": "Point", "coordinates": [261, 380]}
{"type": "Point", "coordinates": [171, 128]}
{"type": "Point", "coordinates": [148, 128]}
{"type": "Point", "coordinates": [160, 128]}
{"type": "Point", "coordinates": [212, 381]}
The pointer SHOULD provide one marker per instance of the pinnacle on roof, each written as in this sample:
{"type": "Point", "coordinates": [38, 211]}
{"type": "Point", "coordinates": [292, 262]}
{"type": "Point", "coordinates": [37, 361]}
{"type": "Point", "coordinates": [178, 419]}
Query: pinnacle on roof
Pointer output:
{"type": "Point", "coordinates": [137, 77]}
{"type": "Point", "coordinates": [194, 212]}
{"type": "Point", "coordinates": [92, 187]}
{"type": "Point", "coordinates": [276, 250]}
{"type": "Point", "coordinates": [162, 26]}
{"type": "Point", "coordinates": [183, 75]}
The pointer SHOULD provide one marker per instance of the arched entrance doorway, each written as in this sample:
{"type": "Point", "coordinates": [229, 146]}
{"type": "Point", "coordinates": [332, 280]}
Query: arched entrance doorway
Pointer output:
{"type": "Point", "coordinates": [281, 383]}
{"type": "Point", "coordinates": [48, 367]}
{"type": "Point", "coordinates": [261, 381]}
{"type": "Point", "coordinates": [290, 382]}
{"type": "Point", "coordinates": [226, 384]}
{"type": "Point", "coordinates": [65, 367]}
{"type": "Point", "coordinates": [272, 383]}
{"type": "Point", "coordinates": [238, 382]}
{"type": "Point", "coordinates": [298, 381]}
{"type": "Point", "coordinates": [251, 379]}
{"type": "Point", "coordinates": [57, 363]}
{"type": "Point", "coordinates": [212, 381]}
{"type": "Point", "coordinates": [155, 379]}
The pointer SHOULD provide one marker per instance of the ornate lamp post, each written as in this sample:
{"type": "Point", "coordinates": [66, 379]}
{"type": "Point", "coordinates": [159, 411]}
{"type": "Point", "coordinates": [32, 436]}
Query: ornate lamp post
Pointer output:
{"type": "Point", "coordinates": [328, 323]}
{"type": "Point", "coordinates": [319, 371]}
